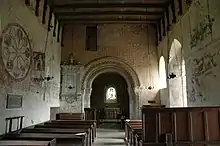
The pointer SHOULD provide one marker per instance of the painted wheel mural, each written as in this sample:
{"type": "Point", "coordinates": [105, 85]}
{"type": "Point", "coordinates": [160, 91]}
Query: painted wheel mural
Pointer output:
{"type": "Point", "coordinates": [16, 51]}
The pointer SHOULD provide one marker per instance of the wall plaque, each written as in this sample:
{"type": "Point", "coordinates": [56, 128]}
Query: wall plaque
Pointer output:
{"type": "Point", "coordinates": [14, 101]}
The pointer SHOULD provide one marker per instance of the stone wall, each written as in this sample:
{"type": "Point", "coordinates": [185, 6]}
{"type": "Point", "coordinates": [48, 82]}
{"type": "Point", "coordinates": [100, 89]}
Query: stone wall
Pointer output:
{"type": "Point", "coordinates": [200, 42]}
{"type": "Point", "coordinates": [37, 98]}
{"type": "Point", "coordinates": [134, 44]}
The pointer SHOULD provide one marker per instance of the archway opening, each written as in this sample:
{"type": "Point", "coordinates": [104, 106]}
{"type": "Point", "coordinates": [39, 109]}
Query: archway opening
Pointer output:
{"type": "Point", "coordinates": [162, 73]}
{"type": "Point", "coordinates": [177, 76]}
{"type": "Point", "coordinates": [110, 97]}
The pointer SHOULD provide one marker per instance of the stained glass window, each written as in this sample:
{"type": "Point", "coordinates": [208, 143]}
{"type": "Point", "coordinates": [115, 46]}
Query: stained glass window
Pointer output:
{"type": "Point", "coordinates": [111, 95]}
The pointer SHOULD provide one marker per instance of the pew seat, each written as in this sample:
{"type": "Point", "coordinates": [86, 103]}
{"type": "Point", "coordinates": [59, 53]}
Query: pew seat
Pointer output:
{"type": "Point", "coordinates": [137, 137]}
{"type": "Point", "coordinates": [68, 126]}
{"type": "Point", "coordinates": [61, 139]}
{"type": "Point", "coordinates": [27, 143]}
{"type": "Point", "coordinates": [130, 132]}
{"type": "Point", "coordinates": [93, 124]}
{"type": "Point", "coordinates": [69, 116]}
{"type": "Point", "coordinates": [60, 131]}
{"type": "Point", "coordinates": [127, 127]}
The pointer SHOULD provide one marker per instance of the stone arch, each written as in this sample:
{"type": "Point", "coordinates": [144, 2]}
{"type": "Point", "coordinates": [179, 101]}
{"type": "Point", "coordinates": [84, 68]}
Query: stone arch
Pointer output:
{"type": "Point", "coordinates": [112, 64]}
{"type": "Point", "coordinates": [109, 64]}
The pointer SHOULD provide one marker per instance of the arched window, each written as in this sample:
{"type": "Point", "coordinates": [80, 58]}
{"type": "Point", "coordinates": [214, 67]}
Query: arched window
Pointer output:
{"type": "Point", "coordinates": [162, 73]}
{"type": "Point", "coordinates": [111, 95]}
{"type": "Point", "coordinates": [177, 85]}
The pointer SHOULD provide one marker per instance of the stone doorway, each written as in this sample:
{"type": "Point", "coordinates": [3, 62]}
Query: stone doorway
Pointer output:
{"type": "Point", "coordinates": [110, 97]}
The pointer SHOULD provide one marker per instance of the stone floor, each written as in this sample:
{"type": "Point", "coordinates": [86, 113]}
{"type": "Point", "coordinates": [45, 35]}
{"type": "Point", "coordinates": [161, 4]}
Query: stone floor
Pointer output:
{"type": "Point", "coordinates": [109, 136]}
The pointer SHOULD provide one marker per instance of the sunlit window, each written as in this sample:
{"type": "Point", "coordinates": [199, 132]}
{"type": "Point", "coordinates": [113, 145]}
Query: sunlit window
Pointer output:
{"type": "Point", "coordinates": [162, 73]}
{"type": "Point", "coordinates": [111, 95]}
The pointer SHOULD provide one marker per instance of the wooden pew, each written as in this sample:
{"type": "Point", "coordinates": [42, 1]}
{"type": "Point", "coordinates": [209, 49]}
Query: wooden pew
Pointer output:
{"type": "Point", "coordinates": [69, 116]}
{"type": "Point", "coordinates": [61, 139]}
{"type": "Point", "coordinates": [196, 126]}
{"type": "Point", "coordinates": [131, 134]}
{"type": "Point", "coordinates": [78, 122]}
{"type": "Point", "coordinates": [27, 143]}
{"type": "Point", "coordinates": [127, 127]}
{"type": "Point", "coordinates": [59, 131]}
{"type": "Point", "coordinates": [137, 134]}
{"type": "Point", "coordinates": [9, 121]}
{"type": "Point", "coordinates": [90, 113]}
{"type": "Point", "coordinates": [67, 126]}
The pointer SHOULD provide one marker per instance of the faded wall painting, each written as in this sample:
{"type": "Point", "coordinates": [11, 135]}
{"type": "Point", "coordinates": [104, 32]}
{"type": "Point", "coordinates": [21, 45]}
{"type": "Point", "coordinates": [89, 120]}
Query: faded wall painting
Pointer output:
{"type": "Point", "coordinates": [16, 51]}
{"type": "Point", "coordinates": [38, 70]}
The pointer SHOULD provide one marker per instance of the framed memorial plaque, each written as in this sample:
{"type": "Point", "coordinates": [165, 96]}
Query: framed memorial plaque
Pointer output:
{"type": "Point", "coordinates": [14, 101]}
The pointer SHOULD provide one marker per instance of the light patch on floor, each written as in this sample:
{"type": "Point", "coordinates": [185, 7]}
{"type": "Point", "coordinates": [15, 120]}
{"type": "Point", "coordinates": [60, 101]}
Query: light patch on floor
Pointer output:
{"type": "Point", "coordinates": [110, 137]}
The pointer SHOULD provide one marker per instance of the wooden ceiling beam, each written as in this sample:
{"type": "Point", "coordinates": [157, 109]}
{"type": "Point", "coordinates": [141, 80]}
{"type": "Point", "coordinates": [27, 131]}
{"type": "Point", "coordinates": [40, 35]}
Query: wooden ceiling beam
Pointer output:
{"type": "Point", "coordinates": [107, 13]}
{"type": "Point", "coordinates": [101, 21]}
{"type": "Point", "coordinates": [108, 22]}
{"type": "Point", "coordinates": [105, 19]}
{"type": "Point", "coordinates": [113, 5]}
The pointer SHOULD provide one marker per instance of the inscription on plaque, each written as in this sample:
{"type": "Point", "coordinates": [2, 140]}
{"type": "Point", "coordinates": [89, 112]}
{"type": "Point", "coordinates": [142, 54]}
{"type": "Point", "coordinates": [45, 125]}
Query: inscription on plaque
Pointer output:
{"type": "Point", "coordinates": [14, 101]}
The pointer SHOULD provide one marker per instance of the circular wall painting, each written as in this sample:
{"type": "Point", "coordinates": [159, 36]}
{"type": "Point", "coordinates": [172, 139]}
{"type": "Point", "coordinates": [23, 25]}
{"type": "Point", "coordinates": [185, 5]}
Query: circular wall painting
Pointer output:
{"type": "Point", "coordinates": [16, 51]}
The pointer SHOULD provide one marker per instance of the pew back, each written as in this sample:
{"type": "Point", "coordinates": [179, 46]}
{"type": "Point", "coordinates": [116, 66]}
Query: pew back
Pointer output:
{"type": "Point", "coordinates": [90, 113]}
{"type": "Point", "coordinates": [69, 116]}
{"type": "Point", "coordinates": [186, 125]}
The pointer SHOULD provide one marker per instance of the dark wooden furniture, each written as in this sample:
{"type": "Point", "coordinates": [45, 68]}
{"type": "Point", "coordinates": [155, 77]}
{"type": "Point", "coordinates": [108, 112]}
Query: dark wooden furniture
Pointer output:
{"type": "Point", "coordinates": [61, 139]}
{"type": "Point", "coordinates": [9, 122]}
{"type": "Point", "coordinates": [78, 122]}
{"type": "Point", "coordinates": [69, 116]}
{"type": "Point", "coordinates": [27, 143]}
{"type": "Point", "coordinates": [60, 131]}
{"type": "Point", "coordinates": [90, 113]}
{"type": "Point", "coordinates": [128, 127]}
{"type": "Point", "coordinates": [67, 126]}
{"type": "Point", "coordinates": [193, 126]}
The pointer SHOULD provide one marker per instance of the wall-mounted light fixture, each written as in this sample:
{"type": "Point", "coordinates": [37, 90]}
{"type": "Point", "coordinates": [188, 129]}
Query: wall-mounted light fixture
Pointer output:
{"type": "Point", "coordinates": [150, 88]}
{"type": "Point", "coordinates": [41, 79]}
{"type": "Point", "coordinates": [171, 76]}
{"type": "Point", "coordinates": [48, 78]}
{"type": "Point", "coordinates": [71, 87]}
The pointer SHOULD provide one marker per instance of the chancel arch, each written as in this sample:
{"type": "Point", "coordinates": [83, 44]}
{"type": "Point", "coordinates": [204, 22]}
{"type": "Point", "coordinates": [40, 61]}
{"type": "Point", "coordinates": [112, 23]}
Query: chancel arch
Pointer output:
{"type": "Point", "coordinates": [177, 76]}
{"type": "Point", "coordinates": [112, 65]}
{"type": "Point", "coordinates": [110, 96]}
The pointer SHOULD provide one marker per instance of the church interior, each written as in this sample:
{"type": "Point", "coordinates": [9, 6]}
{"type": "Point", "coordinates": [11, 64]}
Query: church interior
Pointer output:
{"type": "Point", "coordinates": [109, 72]}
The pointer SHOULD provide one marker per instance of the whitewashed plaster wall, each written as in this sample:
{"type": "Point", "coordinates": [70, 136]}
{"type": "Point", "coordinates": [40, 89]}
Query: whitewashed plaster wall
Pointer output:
{"type": "Point", "coordinates": [202, 59]}
{"type": "Point", "coordinates": [37, 100]}
{"type": "Point", "coordinates": [135, 44]}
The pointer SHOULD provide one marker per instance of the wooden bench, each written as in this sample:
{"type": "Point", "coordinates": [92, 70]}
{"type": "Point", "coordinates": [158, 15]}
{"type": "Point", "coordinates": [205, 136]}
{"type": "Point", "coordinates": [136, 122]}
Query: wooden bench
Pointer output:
{"type": "Point", "coordinates": [128, 129]}
{"type": "Point", "coordinates": [90, 113]}
{"type": "Point", "coordinates": [59, 131]}
{"type": "Point", "coordinates": [67, 126]}
{"type": "Point", "coordinates": [27, 143]}
{"type": "Point", "coordinates": [137, 137]}
{"type": "Point", "coordinates": [78, 122]}
{"type": "Point", "coordinates": [61, 139]}
{"type": "Point", "coordinates": [69, 116]}
{"type": "Point", "coordinates": [131, 134]}
{"type": "Point", "coordinates": [9, 123]}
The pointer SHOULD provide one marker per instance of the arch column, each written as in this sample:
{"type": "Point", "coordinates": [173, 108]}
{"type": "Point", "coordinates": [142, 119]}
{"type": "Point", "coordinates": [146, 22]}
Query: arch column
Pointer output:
{"type": "Point", "coordinates": [138, 103]}
{"type": "Point", "coordinates": [86, 97]}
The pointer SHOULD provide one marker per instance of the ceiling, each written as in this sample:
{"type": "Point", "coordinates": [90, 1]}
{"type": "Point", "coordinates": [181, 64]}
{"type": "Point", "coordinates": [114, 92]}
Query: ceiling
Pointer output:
{"type": "Point", "coordinates": [109, 11]}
